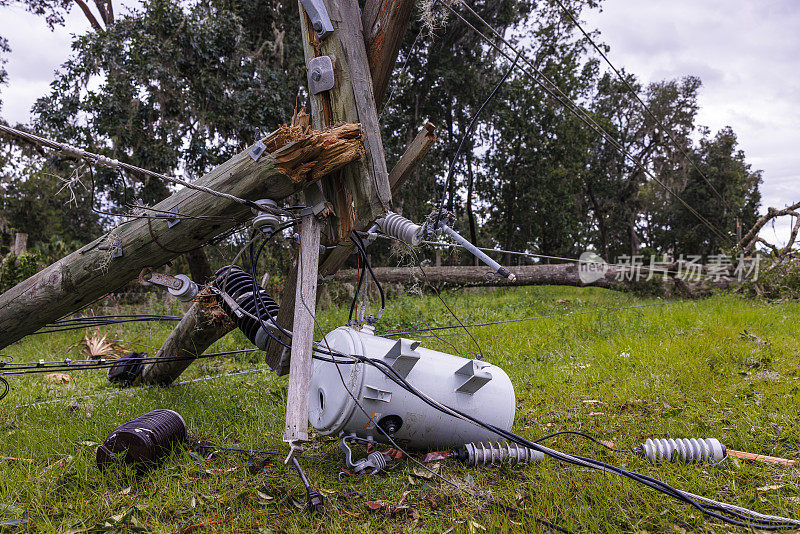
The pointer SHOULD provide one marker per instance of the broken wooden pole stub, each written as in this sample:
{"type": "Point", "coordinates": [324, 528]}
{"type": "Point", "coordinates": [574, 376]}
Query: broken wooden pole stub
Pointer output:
{"type": "Point", "coordinates": [336, 257]}
{"type": "Point", "coordinates": [296, 429]}
{"type": "Point", "coordinates": [294, 158]}
{"type": "Point", "coordinates": [203, 324]}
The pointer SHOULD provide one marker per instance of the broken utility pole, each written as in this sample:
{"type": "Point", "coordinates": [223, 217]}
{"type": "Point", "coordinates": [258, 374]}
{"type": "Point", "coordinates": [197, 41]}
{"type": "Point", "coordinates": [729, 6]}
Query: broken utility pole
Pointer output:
{"type": "Point", "coordinates": [340, 85]}
{"type": "Point", "coordinates": [204, 323]}
{"type": "Point", "coordinates": [293, 159]}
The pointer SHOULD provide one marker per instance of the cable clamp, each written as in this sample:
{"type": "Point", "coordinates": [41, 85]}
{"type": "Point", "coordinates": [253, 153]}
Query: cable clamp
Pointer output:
{"type": "Point", "coordinates": [320, 210]}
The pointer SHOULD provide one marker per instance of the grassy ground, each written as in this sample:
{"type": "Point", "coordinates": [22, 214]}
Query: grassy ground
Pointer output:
{"type": "Point", "coordinates": [682, 369]}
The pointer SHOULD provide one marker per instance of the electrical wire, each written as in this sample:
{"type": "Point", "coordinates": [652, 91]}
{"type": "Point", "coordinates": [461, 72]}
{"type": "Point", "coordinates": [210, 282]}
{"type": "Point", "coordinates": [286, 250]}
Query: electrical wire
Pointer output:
{"type": "Point", "coordinates": [583, 435]}
{"type": "Point", "coordinates": [112, 163]}
{"type": "Point", "coordinates": [362, 249]}
{"type": "Point", "coordinates": [449, 180]}
{"type": "Point", "coordinates": [361, 272]}
{"type": "Point", "coordinates": [257, 451]}
{"type": "Point", "coordinates": [555, 92]}
{"type": "Point", "coordinates": [525, 319]}
{"type": "Point", "coordinates": [78, 323]}
{"type": "Point", "coordinates": [18, 369]}
{"type": "Point", "coordinates": [624, 80]}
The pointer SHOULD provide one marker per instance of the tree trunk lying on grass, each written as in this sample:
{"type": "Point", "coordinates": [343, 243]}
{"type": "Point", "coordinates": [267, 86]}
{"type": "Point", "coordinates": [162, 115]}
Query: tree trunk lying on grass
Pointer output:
{"type": "Point", "coordinates": [534, 275]}
{"type": "Point", "coordinates": [295, 157]}
{"type": "Point", "coordinates": [202, 324]}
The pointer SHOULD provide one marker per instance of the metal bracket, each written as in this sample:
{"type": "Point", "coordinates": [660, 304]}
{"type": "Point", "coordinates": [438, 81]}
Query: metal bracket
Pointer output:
{"type": "Point", "coordinates": [374, 462]}
{"type": "Point", "coordinates": [320, 210]}
{"type": "Point", "coordinates": [115, 248]}
{"type": "Point", "coordinates": [172, 220]}
{"type": "Point", "coordinates": [476, 376]}
{"type": "Point", "coordinates": [320, 75]}
{"type": "Point", "coordinates": [320, 20]}
{"type": "Point", "coordinates": [405, 356]}
{"type": "Point", "coordinates": [257, 150]}
{"type": "Point", "coordinates": [149, 276]}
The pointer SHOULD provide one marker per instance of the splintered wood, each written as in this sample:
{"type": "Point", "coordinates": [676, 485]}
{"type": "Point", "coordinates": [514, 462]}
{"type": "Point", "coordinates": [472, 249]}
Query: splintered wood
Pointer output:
{"type": "Point", "coordinates": [305, 155]}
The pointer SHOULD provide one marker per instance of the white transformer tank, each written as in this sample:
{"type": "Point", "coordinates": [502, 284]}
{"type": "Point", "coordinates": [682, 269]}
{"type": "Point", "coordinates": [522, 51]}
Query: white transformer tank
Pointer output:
{"type": "Point", "coordinates": [474, 387]}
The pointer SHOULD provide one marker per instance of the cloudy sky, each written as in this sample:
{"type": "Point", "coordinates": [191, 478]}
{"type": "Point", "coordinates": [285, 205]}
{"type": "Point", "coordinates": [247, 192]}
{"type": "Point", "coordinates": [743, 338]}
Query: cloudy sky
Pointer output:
{"type": "Point", "coordinates": [746, 52]}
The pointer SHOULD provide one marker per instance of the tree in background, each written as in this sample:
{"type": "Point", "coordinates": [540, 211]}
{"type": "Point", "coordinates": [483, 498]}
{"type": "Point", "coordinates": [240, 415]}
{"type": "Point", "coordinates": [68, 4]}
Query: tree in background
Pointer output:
{"type": "Point", "coordinates": [723, 187]}
{"type": "Point", "coordinates": [175, 89]}
{"type": "Point", "coordinates": [179, 88]}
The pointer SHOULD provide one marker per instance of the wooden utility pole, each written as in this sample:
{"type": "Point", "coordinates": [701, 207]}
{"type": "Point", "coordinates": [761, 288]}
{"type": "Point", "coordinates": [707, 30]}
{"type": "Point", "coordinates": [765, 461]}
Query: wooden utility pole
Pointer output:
{"type": "Point", "coordinates": [202, 324]}
{"type": "Point", "coordinates": [292, 160]}
{"type": "Point", "coordinates": [384, 23]}
{"type": "Point", "coordinates": [360, 192]}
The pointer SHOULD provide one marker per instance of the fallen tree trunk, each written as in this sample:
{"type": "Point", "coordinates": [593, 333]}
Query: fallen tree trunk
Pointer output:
{"type": "Point", "coordinates": [203, 324]}
{"type": "Point", "coordinates": [565, 274]}
{"type": "Point", "coordinates": [556, 274]}
{"type": "Point", "coordinates": [294, 158]}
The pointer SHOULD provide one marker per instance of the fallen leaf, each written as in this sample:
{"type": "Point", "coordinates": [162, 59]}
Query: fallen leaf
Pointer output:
{"type": "Point", "coordinates": [607, 443]}
{"type": "Point", "coordinates": [770, 488]}
{"type": "Point", "coordinates": [402, 499]}
{"type": "Point", "coordinates": [435, 456]}
{"type": "Point", "coordinates": [125, 491]}
{"type": "Point", "coordinates": [475, 525]}
{"type": "Point", "coordinates": [428, 473]}
{"type": "Point", "coordinates": [97, 347]}
{"type": "Point", "coordinates": [58, 377]}
{"type": "Point", "coordinates": [375, 505]}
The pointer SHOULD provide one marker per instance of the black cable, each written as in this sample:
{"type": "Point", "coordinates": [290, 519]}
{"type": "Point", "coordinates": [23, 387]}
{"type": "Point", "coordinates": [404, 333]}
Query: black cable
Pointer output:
{"type": "Point", "coordinates": [467, 133]}
{"type": "Point", "coordinates": [19, 369]}
{"type": "Point", "coordinates": [581, 434]}
{"type": "Point", "coordinates": [362, 249]}
{"type": "Point", "coordinates": [361, 273]}
{"type": "Point", "coordinates": [639, 99]}
{"type": "Point", "coordinates": [6, 387]}
{"type": "Point", "coordinates": [257, 451]}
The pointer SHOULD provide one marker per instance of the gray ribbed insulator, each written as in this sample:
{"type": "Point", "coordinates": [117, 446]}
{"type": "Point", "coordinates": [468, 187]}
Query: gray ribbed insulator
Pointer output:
{"type": "Point", "coordinates": [480, 454]}
{"type": "Point", "coordinates": [398, 226]}
{"type": "Point", "coordinates": [264, 220]}
{"type": "Point", "coordinates": [687, 450]}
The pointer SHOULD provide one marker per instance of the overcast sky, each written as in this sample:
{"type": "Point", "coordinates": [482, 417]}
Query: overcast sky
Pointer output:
{"type": "Point", "coordinates": [746, 52]}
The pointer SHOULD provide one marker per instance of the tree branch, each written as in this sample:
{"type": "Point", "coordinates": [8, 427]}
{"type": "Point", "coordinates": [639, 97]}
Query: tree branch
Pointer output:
{"type": "Point", "coordinates": [89, 16]}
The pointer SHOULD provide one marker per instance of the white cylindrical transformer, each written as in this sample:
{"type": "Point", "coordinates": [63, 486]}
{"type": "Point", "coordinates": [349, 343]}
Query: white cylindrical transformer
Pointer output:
{"type": "Point", "coordinates": [477, 388]}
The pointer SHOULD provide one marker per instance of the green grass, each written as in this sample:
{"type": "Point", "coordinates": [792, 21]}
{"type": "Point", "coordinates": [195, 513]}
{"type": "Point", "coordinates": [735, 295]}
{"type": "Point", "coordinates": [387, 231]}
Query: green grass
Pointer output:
{"type": "Point", "coordinates": [682, 370]}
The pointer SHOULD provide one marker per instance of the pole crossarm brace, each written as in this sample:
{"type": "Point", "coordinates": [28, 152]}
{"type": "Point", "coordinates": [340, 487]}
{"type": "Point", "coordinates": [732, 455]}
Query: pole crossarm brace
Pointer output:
{"type": "Point", "coordinates": [294, 158]}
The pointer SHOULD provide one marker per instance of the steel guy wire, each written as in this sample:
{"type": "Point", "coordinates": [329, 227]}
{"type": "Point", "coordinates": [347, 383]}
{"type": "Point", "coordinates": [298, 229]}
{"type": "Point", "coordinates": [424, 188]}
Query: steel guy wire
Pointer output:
{"type": "Point", "coordinates": [525, 319]}
{"type": "Point", "coordinates": [400, 75]}
{"type": "Point", "coordinates": [638, 98]}
{"type": "Point", "coordinates": [554, 91]}
{"type": "Point", "coordinates": [640, 267]}
{"type": "Point", "coordinates": [447, 187]}
{"type": "Point", "coordinates": [99, 159]}
{"type": "Point", "coordinates": [138, 388]}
